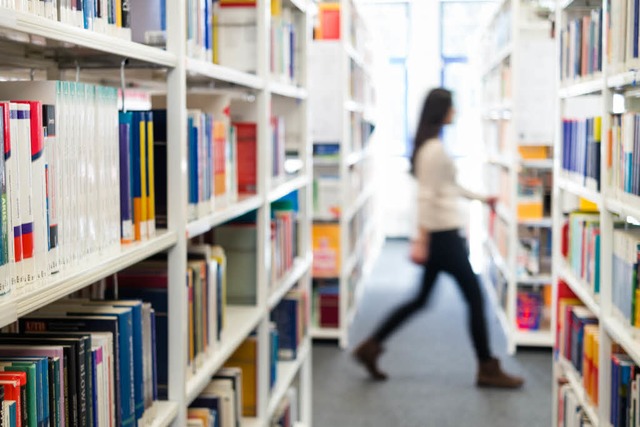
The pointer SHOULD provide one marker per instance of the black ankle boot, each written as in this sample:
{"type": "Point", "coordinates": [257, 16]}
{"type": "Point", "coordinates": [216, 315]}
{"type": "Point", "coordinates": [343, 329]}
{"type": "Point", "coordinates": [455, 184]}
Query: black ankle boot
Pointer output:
{"type": "Point", "coordinates": [367, 353]}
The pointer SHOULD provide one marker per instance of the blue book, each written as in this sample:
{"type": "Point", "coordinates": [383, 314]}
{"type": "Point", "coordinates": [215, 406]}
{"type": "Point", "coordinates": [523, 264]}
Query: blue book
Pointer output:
{"type": "Point", "coordinates": [285, 316]}
{"type": "Point", "coordinates": [11, 407]}
{"type": "Point", "coordinates": [138, 356]}
{"type": "Point", "coordinates": [193, 163]}
{"type": "Point", "coordinates": [126, 208]}
{"type": "Point", "coordinates": [154, 355]}
{"type": "Point", "coordinates": [157, 297]}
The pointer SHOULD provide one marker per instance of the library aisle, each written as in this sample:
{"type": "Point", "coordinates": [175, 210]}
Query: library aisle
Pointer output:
{"type": "Point", "coordinates": [430, 364]}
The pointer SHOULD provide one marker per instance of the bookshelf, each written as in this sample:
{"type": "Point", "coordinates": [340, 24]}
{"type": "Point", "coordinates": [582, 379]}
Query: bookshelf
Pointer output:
{"type": "Point", "coordinates": [595, 182]}
{"type": "Point", "coordinates": [516, 44]}
{"type": "Point", "coordinates": [345, 202]}
{"type": "Point", "coordinates": [181, 77]}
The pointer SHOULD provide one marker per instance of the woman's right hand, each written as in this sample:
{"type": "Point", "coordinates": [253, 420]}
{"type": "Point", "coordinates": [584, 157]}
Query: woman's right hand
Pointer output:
{"type": "Point", "coordinates": [419, 251]}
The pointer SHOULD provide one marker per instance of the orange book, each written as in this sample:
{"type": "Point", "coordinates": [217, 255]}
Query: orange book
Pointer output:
{"type": "Point", "coordinates": [326, 250]}
{"type": "Point", "coordinates": [219, 158]}
{"type": "Point", "coordinates": [329, 21]}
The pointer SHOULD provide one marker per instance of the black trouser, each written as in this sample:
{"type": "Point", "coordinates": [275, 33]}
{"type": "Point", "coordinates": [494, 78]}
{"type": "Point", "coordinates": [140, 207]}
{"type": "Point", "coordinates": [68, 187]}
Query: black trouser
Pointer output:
{"type": "Point", "coordinates": [447, 253]}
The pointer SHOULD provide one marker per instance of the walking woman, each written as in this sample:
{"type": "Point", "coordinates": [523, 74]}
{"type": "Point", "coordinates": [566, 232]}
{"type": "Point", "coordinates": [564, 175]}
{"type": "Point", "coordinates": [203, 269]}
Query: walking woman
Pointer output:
{"type": "Point", "coordinates": [439, 245]}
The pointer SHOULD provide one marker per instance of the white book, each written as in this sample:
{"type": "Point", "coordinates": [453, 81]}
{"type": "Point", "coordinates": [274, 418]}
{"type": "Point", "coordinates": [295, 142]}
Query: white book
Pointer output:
{"type": "Point", "coordinates": [53, 169]}
{"type": "Point", "coordinates": [232, 166]}
{"type": "Point", "coordinates": [26, 196]}
{"type": "Point", "coordinates": [13, 198]}
{"type": "Point", "coordinates": [224, 390]}
{"type": "Point", "coordinates": [105, 340]}
{"type": "Point", "coordinates": [237, 38]}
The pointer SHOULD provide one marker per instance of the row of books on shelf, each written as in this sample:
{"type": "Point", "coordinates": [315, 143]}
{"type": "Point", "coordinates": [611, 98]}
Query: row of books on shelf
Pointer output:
{"type": "Point", "coordinates": [219, 31]}
{"type": "Point", "coordinates": [533, 307]}
{"type": "Point", "coordinates": [223, 401]}
{"type": "Point", "coordinates": [85, 362]}
{"type": "Point", "coordinates": [622, 33]}
{"type": "Point", "coordinates": [220, 164]}
{"type": "Point", "coordinates": [79, 362]}
{"type": "Point", "coordinates": [624, 145]}
{"type": "Point", "coordinates": [121, 346]}
{"type": "Point", "coordinates": [581, 247]}
{"type": "Point", "coordinates": [534, 251]}
{"type": "Point", "coordinates": [113, 17]}
{"type": "Point", "coordinates": [571, 413]}
{"type": "Point", "coordinates": [224, 32]}
{"type": "Point", "coordinates": [66, 201]}
{"type": "Point", "coordinates": [579, 343]}
{"type": "Point", "coordinates": [581, 46]}
{"type": "Point", "coordinates": [625, 292]}
{"type": "Point", "coordinates": [581, 139]}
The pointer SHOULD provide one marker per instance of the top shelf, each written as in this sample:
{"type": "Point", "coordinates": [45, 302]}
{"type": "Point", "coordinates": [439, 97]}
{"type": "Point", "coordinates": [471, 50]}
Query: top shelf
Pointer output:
{"type": "Point", "coordinates": [64, 37]}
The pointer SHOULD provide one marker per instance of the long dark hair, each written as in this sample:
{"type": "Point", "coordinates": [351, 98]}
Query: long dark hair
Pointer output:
{"type": "Point", "coordinates": [434, 111]}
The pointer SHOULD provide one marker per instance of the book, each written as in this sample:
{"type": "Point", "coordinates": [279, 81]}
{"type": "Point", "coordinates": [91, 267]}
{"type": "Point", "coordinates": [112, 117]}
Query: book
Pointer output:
{"type": "Point", "coordinates": [126, 208]}
{"type": "Point", "coordinates": [246, 145]}
{"type": "Point", "coordinates": [5, 219]}
{"type": "Point", "coordinates": [246, 358]}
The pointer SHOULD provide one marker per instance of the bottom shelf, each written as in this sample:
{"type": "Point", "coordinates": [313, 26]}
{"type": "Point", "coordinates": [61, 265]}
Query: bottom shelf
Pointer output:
{"type": "Point", "coordinates": [162, 414]}
{"type": "Point", "coordinates": [252, 422]}
{"type": "Point", "coordinates": [576, 384]}
{"type": "Point", "coordinates": [534, 338]}
{"type": "Point", "coordinates": [325, 333]}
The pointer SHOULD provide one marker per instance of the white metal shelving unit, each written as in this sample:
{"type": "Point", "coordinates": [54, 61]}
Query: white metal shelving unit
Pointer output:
{"type": "Point", "coordinates": [510, 33]}
{"type": "Point", "coordinates": [352, 256]}
{"type": "Point", "coordinates": [182, 73]}
{"type": "Point", "coordinates": [612, 205]}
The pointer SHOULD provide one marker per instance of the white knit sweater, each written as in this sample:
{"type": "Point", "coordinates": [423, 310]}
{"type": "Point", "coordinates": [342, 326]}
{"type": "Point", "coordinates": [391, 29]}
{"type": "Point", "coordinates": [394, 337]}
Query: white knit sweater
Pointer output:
{"type": "Point", "coordinates": [438, 189]}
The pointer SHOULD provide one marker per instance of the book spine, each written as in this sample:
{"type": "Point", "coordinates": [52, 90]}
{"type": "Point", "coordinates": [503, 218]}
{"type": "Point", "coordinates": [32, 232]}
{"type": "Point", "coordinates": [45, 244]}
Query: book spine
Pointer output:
{"type": "Point", "coordinates": [5, 273]}
{"type": "Point", "coordinates": [151, 188]}
{"type": "Point", "coordinates": [23, 148]}
{"type": "Point", "coordinates": [51, 180]}
{"type": "Point", "coordinates": [126, 217]}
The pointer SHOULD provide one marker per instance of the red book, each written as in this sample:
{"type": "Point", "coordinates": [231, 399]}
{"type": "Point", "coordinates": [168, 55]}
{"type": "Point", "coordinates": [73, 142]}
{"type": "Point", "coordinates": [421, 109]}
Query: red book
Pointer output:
{"type": "Point", "coordinates": [246, 133]}
{"type": "Point", "coordinates": [14, 383]}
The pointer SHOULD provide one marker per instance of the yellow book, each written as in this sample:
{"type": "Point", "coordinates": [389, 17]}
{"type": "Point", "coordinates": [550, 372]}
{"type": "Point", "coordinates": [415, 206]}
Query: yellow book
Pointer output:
{"type": "Point", "coordinates": [246, 358]}
{"type": "Point", "coordinates": [119, 13]}
{"type": "Point", "coordinates": [596, 369]}
{"type": "Point", "coordinates": [276, 7]}
{"type": "Point", "coordinates": [215, 33]}
{"type": "Point", "coordinates": [587, 206]}
{"type": "Point", "coordinates": [533, 152]}
{"type": "Point", "coordinates": [144, 234]}
{"type": "Point", "coordinates": [151, 187]}
{"type": "Point", "coordinates": [587, 356]}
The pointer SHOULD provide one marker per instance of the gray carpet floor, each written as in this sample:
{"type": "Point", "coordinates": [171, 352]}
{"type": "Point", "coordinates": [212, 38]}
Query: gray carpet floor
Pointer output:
{"type": "Point", "coordinates": [430, 362]}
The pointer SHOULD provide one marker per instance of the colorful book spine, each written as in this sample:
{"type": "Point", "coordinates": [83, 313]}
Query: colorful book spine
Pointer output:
{"type": "Point", "coordinates": [5, 219]}
{"type": "Point", "coordinates": [126, 208]}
